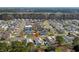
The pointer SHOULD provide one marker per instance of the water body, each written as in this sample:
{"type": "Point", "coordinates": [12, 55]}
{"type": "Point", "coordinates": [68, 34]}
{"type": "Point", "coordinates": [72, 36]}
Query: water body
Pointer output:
{"type": "Point", "coordinates": [40, 9]}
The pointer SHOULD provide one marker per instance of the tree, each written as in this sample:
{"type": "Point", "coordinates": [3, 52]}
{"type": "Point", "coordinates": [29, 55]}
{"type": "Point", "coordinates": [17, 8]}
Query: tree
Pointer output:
{"type": "Point", "coordinates": [3, 47]}
{"type": "Point", "coordinates": [60, 39]}
{"type": "Point", "coordinates": [76, 41]}
{"type": "Point", "coordinates": [76, 48]}
{"type": "Point", "coordinates": [18, 46]}
{"type": "Point", "coordinates": [30, 47]}
{"type": "Point", "coordinates": [2, 39]}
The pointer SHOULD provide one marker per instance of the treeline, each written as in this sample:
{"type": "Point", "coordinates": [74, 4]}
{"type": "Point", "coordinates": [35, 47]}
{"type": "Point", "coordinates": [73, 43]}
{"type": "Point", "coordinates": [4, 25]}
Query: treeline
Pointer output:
{"type": "Point", "coordinates": [22, 46]}
{"type": "Point", "coordinates": [40, 16]}
{"type": "Point", "coordinates": [17, 46]}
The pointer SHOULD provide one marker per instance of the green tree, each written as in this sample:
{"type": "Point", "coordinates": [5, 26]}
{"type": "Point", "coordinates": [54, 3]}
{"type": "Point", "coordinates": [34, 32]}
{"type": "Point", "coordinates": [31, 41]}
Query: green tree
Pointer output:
{"type": "Point", "coordinates": [76, 41]}
{"type": "Point", "coordinates": [3, 47]}
{"type": "Point", "coordinates": [60, 39]}
{"type": "Point", "coordinates": [18, 46]}
{"type": "Point", "coordinates": [31, 47]}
